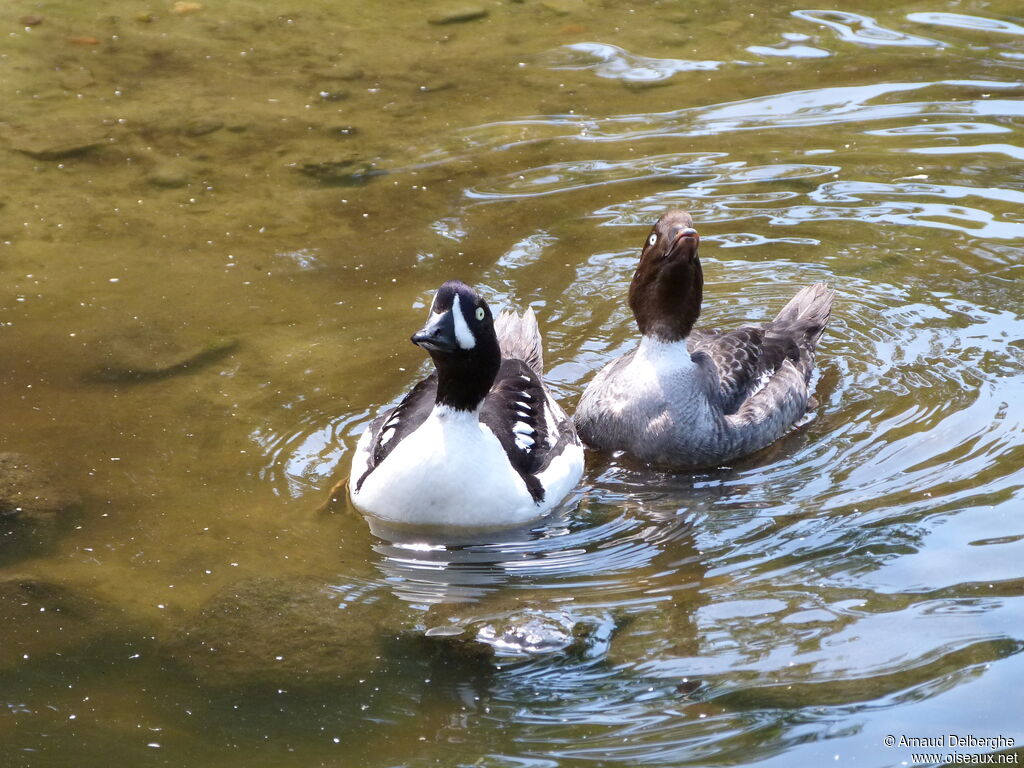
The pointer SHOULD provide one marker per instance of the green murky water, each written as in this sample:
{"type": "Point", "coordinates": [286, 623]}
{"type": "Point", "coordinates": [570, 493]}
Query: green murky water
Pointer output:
{"type": "Point", "coordinates": [219, 225]}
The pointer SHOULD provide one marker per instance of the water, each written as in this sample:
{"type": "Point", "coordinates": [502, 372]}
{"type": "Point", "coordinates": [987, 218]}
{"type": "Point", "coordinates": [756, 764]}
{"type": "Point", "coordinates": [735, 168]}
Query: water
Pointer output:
{"type": "Point", "coordinates": [220, 225]}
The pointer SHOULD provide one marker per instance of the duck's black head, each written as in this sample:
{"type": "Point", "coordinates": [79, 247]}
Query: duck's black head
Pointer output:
{"type": "Point", "coordinates": [459, 335]}
{"type": "Point", "coordinates": [668, 284]}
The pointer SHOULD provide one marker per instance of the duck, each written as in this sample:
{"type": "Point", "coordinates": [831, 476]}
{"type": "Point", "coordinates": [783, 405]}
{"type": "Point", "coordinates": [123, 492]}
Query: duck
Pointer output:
{"type": "Point", "coordinates": [691, 398]}
{"type": "Point", "coordinates": [479, 443]}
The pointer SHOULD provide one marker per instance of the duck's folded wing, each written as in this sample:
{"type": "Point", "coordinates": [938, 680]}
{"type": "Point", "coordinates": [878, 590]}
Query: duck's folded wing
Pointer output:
{"type": "Point", "coordinates": [514, 411]}
{"type": "Point", "coordinates": [388, 429]}
{"type": "Point", "coordinates": [766, 415]}
{"type": "Point", "coordinates": [744, 360]}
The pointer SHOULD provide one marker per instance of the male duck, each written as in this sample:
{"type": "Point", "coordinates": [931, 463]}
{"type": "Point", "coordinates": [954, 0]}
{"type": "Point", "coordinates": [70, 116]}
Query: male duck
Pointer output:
{"type": "Point", "coordinates": [690, 398]}
{"type": "Point", "coordinates": [480, 442]}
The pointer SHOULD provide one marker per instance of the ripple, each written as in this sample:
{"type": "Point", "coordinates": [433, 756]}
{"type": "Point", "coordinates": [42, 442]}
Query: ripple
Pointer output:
{"type": "Point", "coordinates": [795, 109]}
{"type": "Point", "coordinates": [614, 63]}
{"type": "Point", "coordinates": [569, 552]}
{"type": "Point", "coordinates": [940, 129]}
{"type": "Point", "coordinates": [710, 208]}
{"type": "Point", "coordinates": [1009, 150]}
{"type": "Point", "coordinates": [748, 239]}
{"type": "Point", "coordinates": [730, 599]}
{"type": "Point", "coordinates": [449, 228]}
{"type": "Point", "coordinates": [791, 47]}
{"type": "Point", "coordinates": [527, 251]}
{"type": "Point", "coordinates": [814, 554]}
{"type": "Point", "coordinates": [964, 21]}
{"type": "Point", "coordinates": [852, 191]}
{"type": "Point", "coordinates": [308, 455]}
{"type": "Point", "coordinates": [863, 30]}
{"type": "Point", "coordinates": [574, 175]}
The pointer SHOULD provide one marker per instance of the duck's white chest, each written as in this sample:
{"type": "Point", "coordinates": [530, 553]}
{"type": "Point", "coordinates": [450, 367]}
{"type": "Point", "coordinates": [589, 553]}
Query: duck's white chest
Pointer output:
{"type": "Point", "coordinates": [650, 406]}
{"type": "Point", "coordinates": [661, 376]}
{"type": "Point", "coordinates": [451, 471]}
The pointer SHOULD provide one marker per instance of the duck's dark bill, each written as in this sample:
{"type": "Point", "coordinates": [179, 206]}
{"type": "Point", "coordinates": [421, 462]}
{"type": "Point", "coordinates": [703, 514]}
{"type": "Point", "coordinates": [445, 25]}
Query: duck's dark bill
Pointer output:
{"type": "Point", "coordinates": [685, 240]}
{"type": "Point", "coordinates": [438, 335]}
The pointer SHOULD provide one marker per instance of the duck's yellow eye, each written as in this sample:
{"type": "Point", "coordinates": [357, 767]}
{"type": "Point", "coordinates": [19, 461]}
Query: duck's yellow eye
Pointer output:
{"type": "Point", "coordinates": [480, 313]}
{"type": "Point", "coordinates": [652, 239]}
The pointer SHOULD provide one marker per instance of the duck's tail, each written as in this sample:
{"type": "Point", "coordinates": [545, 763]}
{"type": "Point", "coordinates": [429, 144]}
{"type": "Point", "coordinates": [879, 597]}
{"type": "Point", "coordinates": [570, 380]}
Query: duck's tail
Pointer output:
{"type": "Point", "coordinates": [519, 337]}
{"type": "Point", "coordinates": [807, 314]}
{"type": "Point", "coordinates": [801, 323]}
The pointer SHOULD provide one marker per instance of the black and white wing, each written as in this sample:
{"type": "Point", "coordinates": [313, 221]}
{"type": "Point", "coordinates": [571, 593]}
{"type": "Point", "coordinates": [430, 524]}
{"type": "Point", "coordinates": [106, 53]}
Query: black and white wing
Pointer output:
{"type": "Point", "coordinates": [515, 411]}
{"type": "Point", "coordinates": [388, 429]}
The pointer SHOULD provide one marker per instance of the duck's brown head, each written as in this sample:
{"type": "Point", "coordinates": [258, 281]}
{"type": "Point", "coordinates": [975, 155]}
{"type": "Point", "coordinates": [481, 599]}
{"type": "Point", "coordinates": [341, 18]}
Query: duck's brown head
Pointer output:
{"type": "Point", "coordinates": [668, 284]}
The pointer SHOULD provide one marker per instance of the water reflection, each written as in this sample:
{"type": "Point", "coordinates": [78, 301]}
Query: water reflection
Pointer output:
{"type": "Point", "coordinates": [863, 30]}
{"type": "Point", "coordinates": [589, 543]}
{"type": "Point", "coordinates": [792, 47]}
{"type": "Point", "coordinates": [965, 21]}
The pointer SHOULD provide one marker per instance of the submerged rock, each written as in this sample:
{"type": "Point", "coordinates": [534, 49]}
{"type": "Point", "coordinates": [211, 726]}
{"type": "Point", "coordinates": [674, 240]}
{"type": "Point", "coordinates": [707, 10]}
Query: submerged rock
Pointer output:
{"type": "Point", "coordinates": [33, 502]}
{"type": "Point", "coordinates": [58, 141]}
{"type": "Point", "coordinates": [169, 176]}
{"type": "Point", "coordinates": [158, 352]}
{"type": "Point", "coordinates": [200, 126]}
{"type": "Point", "coordinates": [340, 173]}
{"type": "Point", "coordinates": [524, 633]}
{"type": "Point", "coordinates": [458, 14]}
{"type": "Point", "coordinates": [286, 631]}
{"type": "Point", "coordinates": [43, 618]}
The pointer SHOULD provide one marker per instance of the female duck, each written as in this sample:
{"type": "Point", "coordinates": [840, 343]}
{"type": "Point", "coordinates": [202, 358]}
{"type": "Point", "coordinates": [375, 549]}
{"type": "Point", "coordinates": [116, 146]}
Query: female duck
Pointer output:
{"type": "Point", "coordinates": [697, 398]}
{"type": "Point", "coordinates": [480, 442]}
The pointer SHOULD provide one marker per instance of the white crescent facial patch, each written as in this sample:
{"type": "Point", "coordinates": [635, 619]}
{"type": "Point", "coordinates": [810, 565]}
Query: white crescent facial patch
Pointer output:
{"type": "Point", "coordinates": [463, 336]}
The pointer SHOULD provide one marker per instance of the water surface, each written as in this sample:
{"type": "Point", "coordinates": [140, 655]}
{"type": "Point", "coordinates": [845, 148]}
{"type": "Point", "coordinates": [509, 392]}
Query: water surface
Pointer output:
{"type": "Point", "coordinates": [219, 226]}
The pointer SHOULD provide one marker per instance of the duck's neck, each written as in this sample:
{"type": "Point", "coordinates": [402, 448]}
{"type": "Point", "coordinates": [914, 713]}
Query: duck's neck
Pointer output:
{"type": "Point", "coordinates": [664, 355]}
{"type": "Point", "coordinates": [463, 381]}
{"type": "Point", "coordinates": [665, 298]}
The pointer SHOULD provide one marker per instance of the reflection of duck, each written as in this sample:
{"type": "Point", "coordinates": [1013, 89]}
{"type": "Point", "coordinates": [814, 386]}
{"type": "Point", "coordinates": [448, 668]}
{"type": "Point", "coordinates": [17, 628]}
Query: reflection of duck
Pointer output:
{"type": "Point", "coordinates": [479, 442]}
{"type": "Point", "coordinates": [692, 398]}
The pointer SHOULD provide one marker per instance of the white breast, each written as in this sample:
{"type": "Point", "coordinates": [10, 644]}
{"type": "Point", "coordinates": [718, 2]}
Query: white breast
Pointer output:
{"type": "Point", "coordinates": [660, 374]}
{"type": "Point", "coordinates": [649, 406]}
{"type": "Point", "coordinates": [450, 471]}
